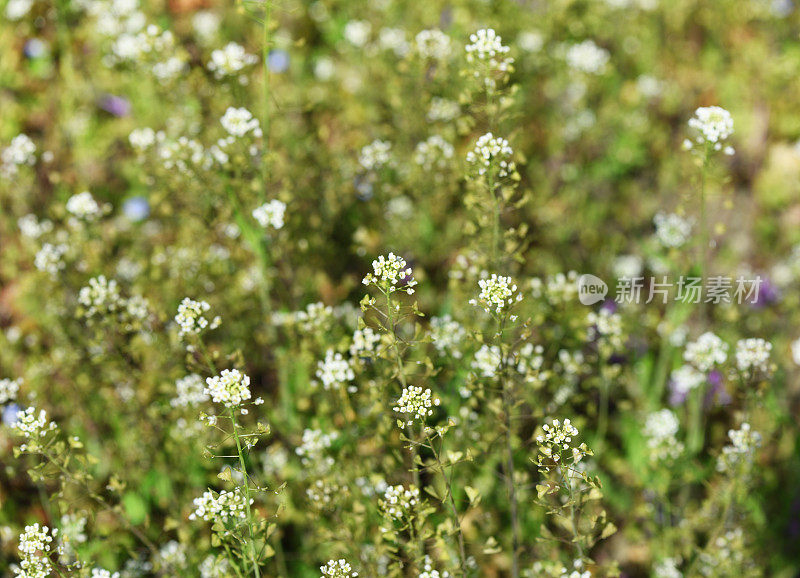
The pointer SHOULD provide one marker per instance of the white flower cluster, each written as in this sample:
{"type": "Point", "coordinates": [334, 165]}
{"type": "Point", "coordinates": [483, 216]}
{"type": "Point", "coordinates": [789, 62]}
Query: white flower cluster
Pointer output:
{"type": "Point", "coordinates": [315, 316]}
{"type": "Point", "coordinates": [558, 439]}
{"type": "Point", "coordinates": [433, 153]}
{"type": "Point", "coordinates": [488, 55]}
{"type": "Point", "coordinates": [35, 546]}
{"type": "Point", "coordinates": [388, 272]}
{"type": "Point", "coordinates": [230, 61]}
{"type": "Point", "coordinates": [492, 154]}
{"type": "Point", "coordinates": [9, 388]}
{"type": "Point", "coordinates": [375, 155]}
{"type": "Point", "coordinates": [230, 388]}
{"type": "Point", "coordinates": [672, 230]}
{"type": "Point", "coordinates": [447, 335]}
{"type": "Point", "coordinates": [365, 342]}
{"type": "Point", "coordinates": [428, 571]}
{"type": "Point", "coordinates": [714, 125]}
{"type": "Point", "coordinates": [190, 317]}
{"type": "Point", "coordinates": [337, 569]}
{"type": "Point", "coordinates": [190, 391]}
{"type": "Point", "coordinates": [708, 351]}
{"type": "Point", "coordinates": [753, 355]}
{"type": "Point", "coordinates": [101, 297]}
{"type": "Point", "coordinates": [102, 573]}
{"type": "Point", "coordinates": [73, 531]}
{"type": "Point", "coordinates": [238, 122]}
{"type": "Point", "coordinates": [497, 293]}
{"type": "Point", "coordinates": [220, 507]}
{"type": "Point", "coordinates": [393, 39]}
{"type": "Point", "coordinates": [49, 259]}
{"type": "Point", "coordinates": [556, 289]}
{"type": "Point", "coordinates": [487, 360]}
{"type": "Point", "coordinates": [143, 138]}
{"type": "Point", "coordinates": [357, 32]}
{"type": "Point", "coordinates": [84, 206]}
{"type": "Point", "coordinates": [607, 326]}
{"type": "Point", "coordinates": [660, 429]}
{"type": "Point", "coordinates": [417, 403]}
{"type": "Point", "coordinates": [17, 9]}
{"type": "Point", "coordinates": [33, 228]}
{"type": "Point", "coordinates": [134, 46]}
{"type": "Point", "coordinates": [270, 214]}
{"type": "Point", "coordinates": [587, 57]}
{"type": "Point", "coordinates": [20, 151]}
{"type": "Point", "coordinates": [334, 371]}
{"type": "Point", "coordinates": [399, 502]}
{"type": "Point", "coordinates": [32, 425]}
{"type": "Point", "coordinates": [433, 44]}
{"type": "Point", "coordinates": [578, 571]}
{"type": "Point", "coordinates": [686, 378]}
{"type": "Point", "coordinates": [667, 568]}
{"type": "Point", "coordinates": [741, 451]}
{"type": "Point", "coordinates": [442, 110]}
{"type": "Point", "coordinates": [172, 556]}
{"type": "Point", "coordinates": [315, 442]}
{"type": "Point", "coordinates": [214, 567]}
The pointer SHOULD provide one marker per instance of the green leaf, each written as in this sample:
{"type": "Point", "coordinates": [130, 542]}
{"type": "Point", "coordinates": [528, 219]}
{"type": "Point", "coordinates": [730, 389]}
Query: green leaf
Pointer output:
{"type": "Point", "coordinates": [136, 507]}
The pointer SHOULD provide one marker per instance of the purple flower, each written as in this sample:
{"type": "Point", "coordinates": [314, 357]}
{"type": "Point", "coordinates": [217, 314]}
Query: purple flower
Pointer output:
{"type": "Point", "coordinates": [115, 105]}
{"type": "Point", "coordinates": [136, 209]}
{"type": "Point", "coordinates": [10, 414]}
{"type": "Point", "coordinates": [278, 61]}
{"type": "Point", "coordinates": [35, 48]}
{"type": "Point", "coordinates": [767, 294]}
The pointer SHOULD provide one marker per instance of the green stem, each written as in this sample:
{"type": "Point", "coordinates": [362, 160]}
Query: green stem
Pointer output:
{"type": "Point", "coordinates": [453, 508]}
{"type": "Point", "coordinates": [256, 571]}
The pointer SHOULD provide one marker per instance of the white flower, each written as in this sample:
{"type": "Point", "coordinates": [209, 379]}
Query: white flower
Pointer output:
{"type": "Point", "coordinates": [206, 25]}
{"type": "Point", "coordinates": [239, 121]}
{"type": "Point", "coordinates": [488, 55]}
{"type": "Point", "coordinates": [334, 371]}
{"type": "Point", "coordinates": [32, 227]}
{"type": "Point", "coordinates": [660, 429]}
{"type": "Point", "coordinates": [364, 342]}
{"type": "Point", "coordinates": [190, 391]}
{"type": "Point", "coordinates": [389, 272]}
{"type": "Point", "coordinates": [230, 388]}
{"type": "Point", "coordinates": [667, 568]}
{"type": "Point", "coordinates": [270, 214]}
{"type": "Point", "coordinates": [230, 61]}
{"type": "Point", "coordinates": [190, 317]}
{"type": "Point", "coordinates": [220, 507]}
{"type": "Point", "coordinates": [487, 360]}
{"type": "Point", "coordinates": [753, 355]}
{"type": "Point", "coordinates": [741, 451]}
{"type": "Point", "coordinates": [375, 155]}
{"type": "Point", "coordinates": [49, 258]}
{"type": "Point", "coordinates": [447, 335]}
{"type": "Point", "coordinates": [399, 502]}
{"type": "Point", "coordinates": [796, 351]}
{"type": "Point", "coordinates": [35, 546]}
{"type": "Point", "coordinates": [433, 153]}
{"type": "Point", "coordinates": [713, 126]}
{"type": "Point", "coordinates": [492, 152]}
{"type": "Point", "coordinates": [337, 569]}
{"type": "Point", "coordinates": [442, 110]}
{"type": "Point", "coordinates": [83, 206]}
{"type": "Point", "coordinates": [433, 44]}
{"type": "Point", "coordinates": [587, 57]}
{"type": "Point", "coordinates": [31, 425]}
{"type": "Point", "coordinates": [100, 297]}
{"type": "Point", "coordinates": [214, 567]}
{"type": "Point", "coordinates": [357, 32]}
{"type": "Point", "coordinates": [672, 230]}
{"type": "Point", "coordinates": [417, 403]}
{"type": "Point", "coordinates": [708, 351]}
{"type": "Point", "coordinates": [9, 388]}
{"type": "Point", "coordinates": [313, 447]}
{"type": "Point", "coordinates": [20, 151]}
{"type": "Point", "coordinates": [556, 444]}
{"type": "Point", "coordinates": [686, 378]}
{"type": "Point", "coordinates": [101, 573]}
{"type": "Point", "coordinates": [17, 9]}
{"type": "Point", "coordinates": [142, 139]}
{"type": "Point", "coordinates": [497, 293]}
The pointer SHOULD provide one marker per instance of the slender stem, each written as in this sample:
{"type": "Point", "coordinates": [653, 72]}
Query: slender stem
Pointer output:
{"type": "Point", "coordinates": [573, 513]}
{"type": "Point", "coordinates": [512, 493]}
{"type": "Point", "coordinates": [453, 508]}
{"type": "Point", "coordinates": [602, 419]}
{"type": "Point", "coordinates": [256, 571]}
{"type": "Point", "coordinates": [266, 119]}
